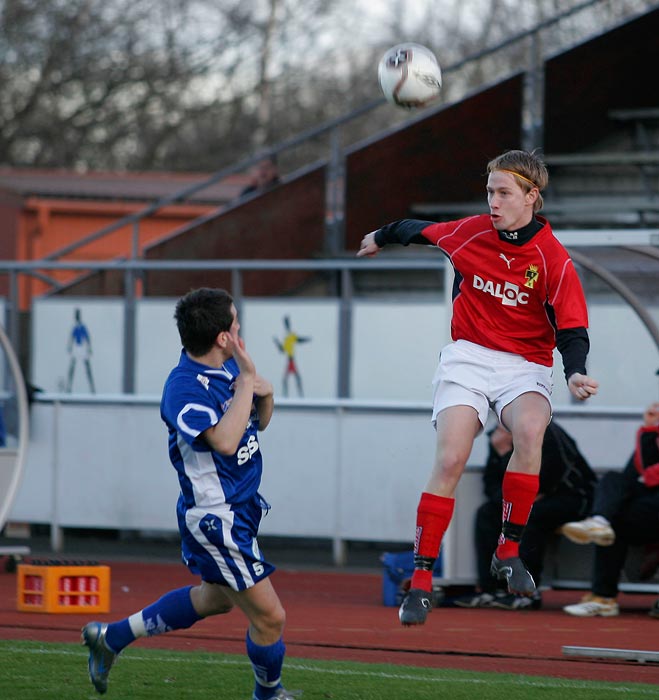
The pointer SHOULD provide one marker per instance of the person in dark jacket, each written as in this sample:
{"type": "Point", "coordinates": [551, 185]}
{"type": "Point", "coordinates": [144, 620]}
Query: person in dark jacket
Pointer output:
{"type": "Point", "coordinates": [625, 512]}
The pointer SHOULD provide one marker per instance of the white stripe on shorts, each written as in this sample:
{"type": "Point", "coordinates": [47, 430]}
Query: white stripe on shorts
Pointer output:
{"type": "Point", "coordinates": [225, 515]}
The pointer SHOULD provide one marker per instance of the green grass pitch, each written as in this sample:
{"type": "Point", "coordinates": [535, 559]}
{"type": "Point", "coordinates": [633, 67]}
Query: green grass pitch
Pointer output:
{"type": "Point", "coordinates": [36, 670]}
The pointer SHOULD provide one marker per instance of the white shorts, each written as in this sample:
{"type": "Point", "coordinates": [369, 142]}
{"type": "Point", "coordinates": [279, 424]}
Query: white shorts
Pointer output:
{"type": "Point", "coordinates": [471, 375]}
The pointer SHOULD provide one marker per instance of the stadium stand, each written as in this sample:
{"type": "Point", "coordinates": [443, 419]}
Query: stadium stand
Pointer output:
{"type": "Point", "coordinates": [416, 160]}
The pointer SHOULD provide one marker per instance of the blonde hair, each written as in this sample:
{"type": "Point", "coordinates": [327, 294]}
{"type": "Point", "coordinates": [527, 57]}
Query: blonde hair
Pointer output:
{"type": "Point", "coordinates": [527, 168]}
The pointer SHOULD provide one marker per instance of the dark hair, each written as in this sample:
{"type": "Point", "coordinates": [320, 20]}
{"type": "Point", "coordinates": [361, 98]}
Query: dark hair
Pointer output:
{"type": "Point", "coordinates": [200, 316]}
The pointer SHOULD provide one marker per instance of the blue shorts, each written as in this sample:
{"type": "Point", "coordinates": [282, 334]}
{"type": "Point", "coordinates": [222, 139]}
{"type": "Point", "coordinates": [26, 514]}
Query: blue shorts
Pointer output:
{"type": "Point", "coordinates": [220, 545]}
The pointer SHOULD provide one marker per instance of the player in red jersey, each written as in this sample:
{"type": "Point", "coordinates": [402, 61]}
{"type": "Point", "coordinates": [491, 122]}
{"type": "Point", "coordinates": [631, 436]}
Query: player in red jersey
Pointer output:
{"type": "Point", "coordinates": [516, 296]}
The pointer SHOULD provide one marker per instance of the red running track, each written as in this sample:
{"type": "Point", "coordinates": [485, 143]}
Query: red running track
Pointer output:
{"type": "Point", "coordinates": [338, 615]}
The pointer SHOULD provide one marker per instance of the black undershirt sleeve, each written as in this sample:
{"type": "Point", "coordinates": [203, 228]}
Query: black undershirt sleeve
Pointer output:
{"type": "Point", "coordinates": [573, 344]}
{"type": "Point", "coordinates": [403, 232]}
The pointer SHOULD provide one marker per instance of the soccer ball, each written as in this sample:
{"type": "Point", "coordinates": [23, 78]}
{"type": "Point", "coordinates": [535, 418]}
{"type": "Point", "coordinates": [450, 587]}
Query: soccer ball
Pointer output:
{"type": "Point", "coordinates": [410, 76]}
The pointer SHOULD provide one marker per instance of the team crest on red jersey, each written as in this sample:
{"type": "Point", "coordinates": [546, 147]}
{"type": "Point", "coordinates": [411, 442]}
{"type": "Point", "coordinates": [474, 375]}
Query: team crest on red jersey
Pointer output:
{"type": "Point", "coordinates": [531, 275]}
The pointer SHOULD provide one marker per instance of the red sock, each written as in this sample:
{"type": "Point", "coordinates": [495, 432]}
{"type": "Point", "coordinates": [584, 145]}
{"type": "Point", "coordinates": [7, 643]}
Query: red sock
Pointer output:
{"type": "Point", "coordinates": [433, 516]}
{"type": "Point", "coordinates": [519, 493]}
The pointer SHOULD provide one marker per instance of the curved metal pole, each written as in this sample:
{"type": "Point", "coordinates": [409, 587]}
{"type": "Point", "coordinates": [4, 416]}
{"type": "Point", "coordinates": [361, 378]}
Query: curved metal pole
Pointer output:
{"type": "Point", "coordinates": [622, 289]}
{"type": "Point", "coordinates": [643, 250]}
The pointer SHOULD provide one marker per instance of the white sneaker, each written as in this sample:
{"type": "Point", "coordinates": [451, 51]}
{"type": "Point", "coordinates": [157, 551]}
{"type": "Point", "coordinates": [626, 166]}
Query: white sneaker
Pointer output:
{"type": "Point", "coordinates": [593, 606]}
{"type": "Point", "coordinates": [596, 530]}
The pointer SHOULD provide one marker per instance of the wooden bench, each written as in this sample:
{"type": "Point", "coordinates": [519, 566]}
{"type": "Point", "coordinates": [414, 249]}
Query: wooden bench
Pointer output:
{"type": "Point", "coordinates": [569, 565]}
{"type": "Point", "coordinates": [639, 114]}
{"type": "Point", "coordinates": [628, 210]}
{"type": "Point", "coordinates": [608, 211]}
{"type": "Point", "coordinates": [610, 158]}
{"type": "Point", "coordinates": [644, 122]}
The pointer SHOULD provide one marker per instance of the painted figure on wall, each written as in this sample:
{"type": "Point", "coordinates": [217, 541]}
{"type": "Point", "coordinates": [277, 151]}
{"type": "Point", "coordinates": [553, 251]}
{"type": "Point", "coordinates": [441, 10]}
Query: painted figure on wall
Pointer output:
{"type": "Point", "coordinates": [287, 347]}
{"type": "Point", "coordinates": [80, 348]}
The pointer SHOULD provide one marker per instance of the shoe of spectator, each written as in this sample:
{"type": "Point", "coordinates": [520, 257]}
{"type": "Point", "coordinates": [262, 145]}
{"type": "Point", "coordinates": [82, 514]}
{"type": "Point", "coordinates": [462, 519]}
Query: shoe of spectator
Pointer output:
{"type": "Point", "coordinates": [415, 607]}
{"type": "Point", "coordinates": [509, 601]}
{"type": "Point", "coordinates": [520, 581]}
{"type": "Point", "coordinates": [475, 600]}
{"type": "Point", "coordinates": [654, 610]}
{"type": "Point", "coordinates": [595, 530]}
{"type": "Point", "coordinates": [593, 606]}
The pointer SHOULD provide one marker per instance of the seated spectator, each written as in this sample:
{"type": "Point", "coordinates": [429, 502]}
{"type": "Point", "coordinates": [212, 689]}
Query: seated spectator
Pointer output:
{"type": "Point", "coordinates": [566, 488]}
{"type": "Point", "coordinates": [624, 512]}
{"type": "Point", "coordinates": [265, 174]}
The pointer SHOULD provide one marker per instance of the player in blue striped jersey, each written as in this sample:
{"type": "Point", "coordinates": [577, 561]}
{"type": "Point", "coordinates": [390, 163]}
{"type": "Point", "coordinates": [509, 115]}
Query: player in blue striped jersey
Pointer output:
{"type": "Point", "coordinates": [214, 403]}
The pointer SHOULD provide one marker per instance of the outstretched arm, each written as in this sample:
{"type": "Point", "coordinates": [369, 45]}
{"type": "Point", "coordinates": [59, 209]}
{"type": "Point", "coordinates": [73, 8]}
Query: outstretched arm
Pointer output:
{"type": "Point", "coordinates": [403, 232]}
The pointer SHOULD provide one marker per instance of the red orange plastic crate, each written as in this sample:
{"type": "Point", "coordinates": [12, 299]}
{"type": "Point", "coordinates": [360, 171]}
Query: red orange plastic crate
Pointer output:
{"type": "Point", "coordinates": [49, 588]}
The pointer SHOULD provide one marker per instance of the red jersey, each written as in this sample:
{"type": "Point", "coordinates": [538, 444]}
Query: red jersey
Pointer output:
{"type": "Point", "coordinates": [509, 297]}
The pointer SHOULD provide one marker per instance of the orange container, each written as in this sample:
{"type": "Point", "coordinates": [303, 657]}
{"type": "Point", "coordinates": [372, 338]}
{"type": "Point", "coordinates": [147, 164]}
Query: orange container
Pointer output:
{"type": "Point", "coordinates": [63, 589]}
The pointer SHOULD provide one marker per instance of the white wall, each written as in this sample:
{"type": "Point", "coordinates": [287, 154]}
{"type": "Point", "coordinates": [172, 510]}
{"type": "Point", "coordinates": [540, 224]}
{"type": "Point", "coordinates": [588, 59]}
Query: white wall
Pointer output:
{"type": "Point", "coordinates": [317, 321]}
{"type": "Point", "coordinates": [157, 344]}
{"type": "Point", "coordinates": [52, 322]}
{"type": "Point", "coordinates": [339, 470]}
{"type": "Point", "coordinates": [623, 358]}
{"type": "Point", "coordinates": [395, 347]}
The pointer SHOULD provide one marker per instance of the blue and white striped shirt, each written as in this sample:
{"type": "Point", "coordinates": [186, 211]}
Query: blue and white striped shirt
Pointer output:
{"type": "Point", "coordinates": [195, 397]}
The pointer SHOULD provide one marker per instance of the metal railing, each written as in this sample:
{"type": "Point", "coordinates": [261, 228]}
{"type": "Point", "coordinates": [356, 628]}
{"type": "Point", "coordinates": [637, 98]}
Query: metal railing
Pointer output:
{"type": "Point", "coordinates": [645, 241]}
